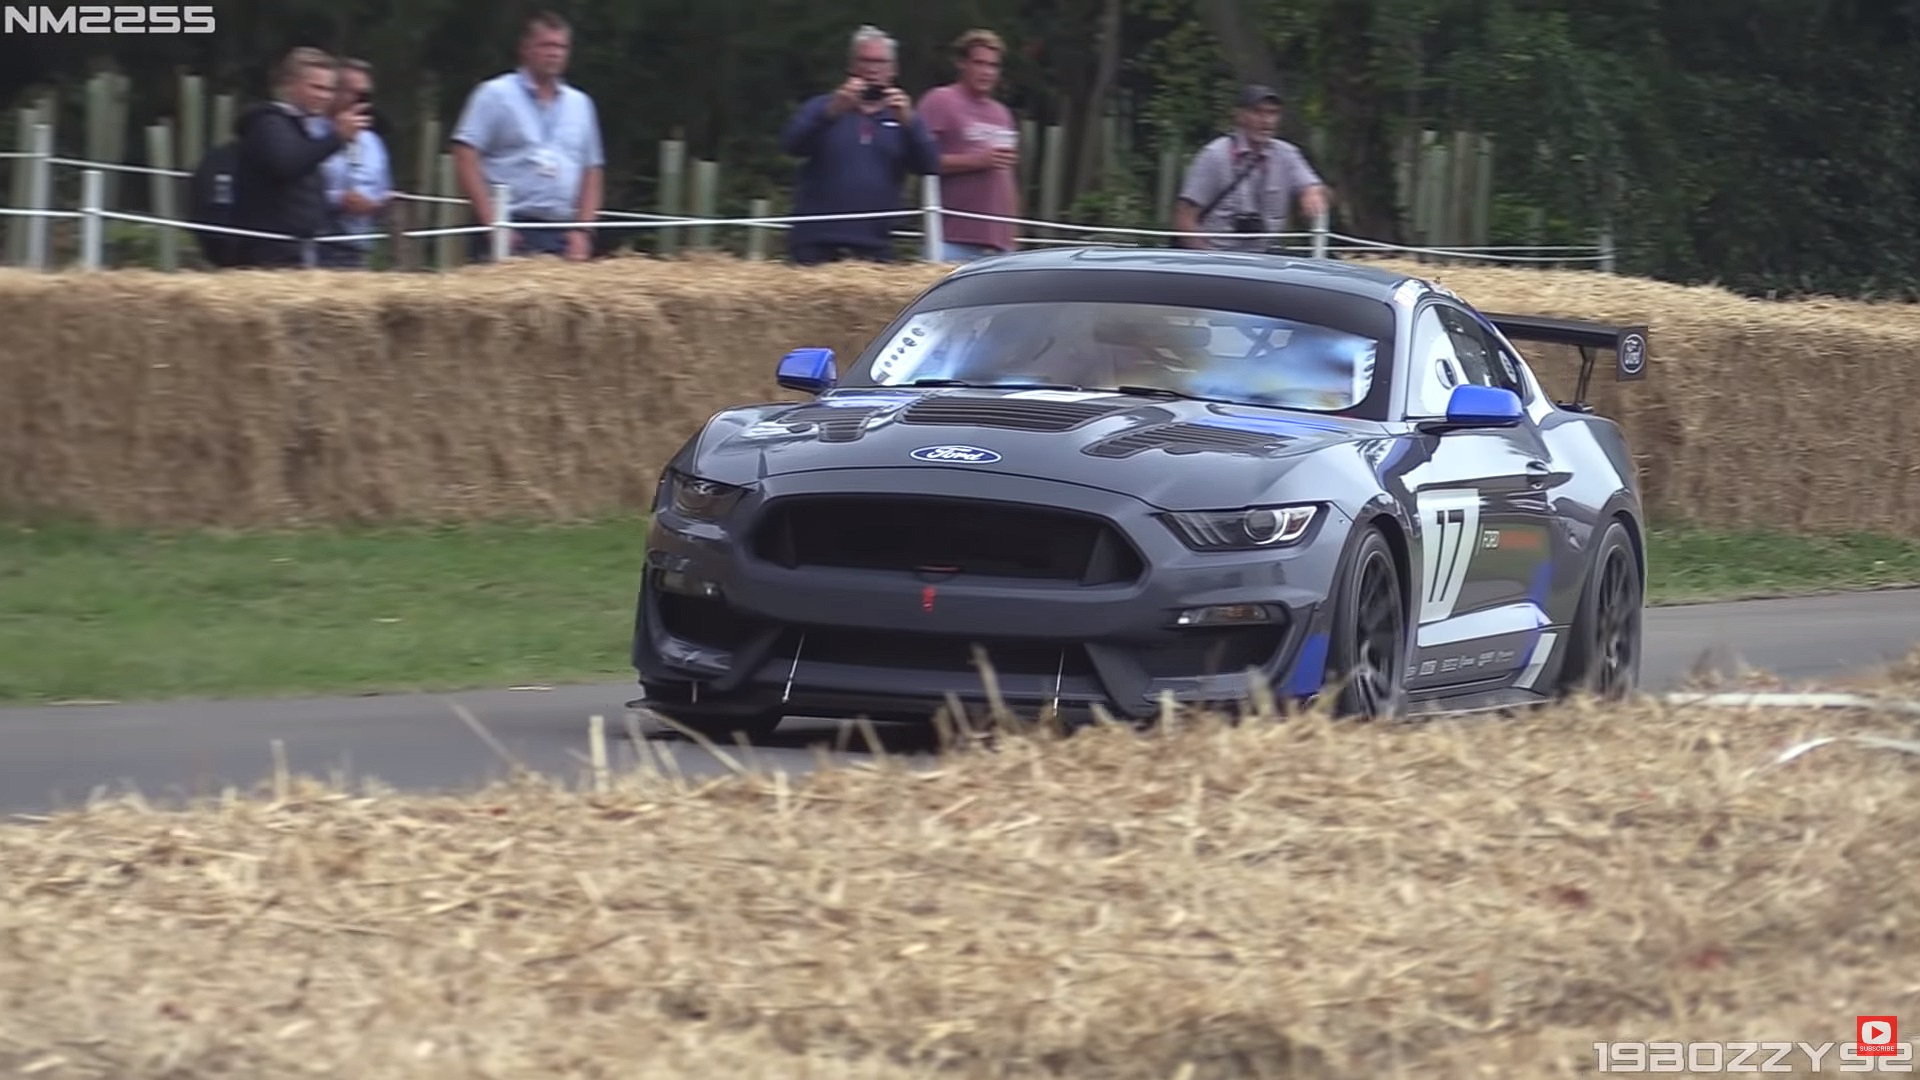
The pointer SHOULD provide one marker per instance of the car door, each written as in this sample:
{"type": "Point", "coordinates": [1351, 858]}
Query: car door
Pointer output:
{"type": "Point", "coordinates": [1482, 549]}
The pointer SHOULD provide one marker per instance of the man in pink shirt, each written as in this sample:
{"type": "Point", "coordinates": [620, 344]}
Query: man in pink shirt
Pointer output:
{"type": "Point", "coordinates": [977, 140]}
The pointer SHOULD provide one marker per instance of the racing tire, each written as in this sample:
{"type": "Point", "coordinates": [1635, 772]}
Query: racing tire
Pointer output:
{"type": "Point", "coordinates": [722, 730]}
{"type": "Point", "coordinates": [1366, 658]}
{"type": "Point", "coordinates": [1603, 645]}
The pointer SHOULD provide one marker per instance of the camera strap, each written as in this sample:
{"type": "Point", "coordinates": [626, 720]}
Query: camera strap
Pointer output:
{"type": "Point", "coordinates": [1254, 161]}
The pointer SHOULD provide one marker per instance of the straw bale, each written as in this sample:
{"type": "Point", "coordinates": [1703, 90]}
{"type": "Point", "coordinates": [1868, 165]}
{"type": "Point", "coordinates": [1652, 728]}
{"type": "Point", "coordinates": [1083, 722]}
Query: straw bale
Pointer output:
{"type": "Point", "coordinates": [559, 390]}
{"type": "Point", "coordinates": [1277, 899]}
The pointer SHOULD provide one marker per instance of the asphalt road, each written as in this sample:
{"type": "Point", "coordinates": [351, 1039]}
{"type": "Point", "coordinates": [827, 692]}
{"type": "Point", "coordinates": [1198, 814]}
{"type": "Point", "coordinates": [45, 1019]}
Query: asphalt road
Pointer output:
{"type": "Point", "coordinates": [55, 756]}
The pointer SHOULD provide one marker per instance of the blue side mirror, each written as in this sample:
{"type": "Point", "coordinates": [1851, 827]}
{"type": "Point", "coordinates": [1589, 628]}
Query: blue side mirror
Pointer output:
{"type": "Point", "coordinates": [809, 371]}
{"type": "Point", "coordinates": [1483, 406]}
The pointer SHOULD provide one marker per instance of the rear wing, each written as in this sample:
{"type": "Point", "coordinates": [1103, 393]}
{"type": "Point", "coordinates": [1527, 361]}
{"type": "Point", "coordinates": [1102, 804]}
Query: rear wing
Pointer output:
{"type": "Point", "coordinates": [1628, 344]}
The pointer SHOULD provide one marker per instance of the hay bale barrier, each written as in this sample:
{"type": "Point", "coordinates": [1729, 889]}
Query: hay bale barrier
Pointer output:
{"type": "Point", "coordinates": [243, 399]}
{"type": "Point", "coordinates": [1283, 898]}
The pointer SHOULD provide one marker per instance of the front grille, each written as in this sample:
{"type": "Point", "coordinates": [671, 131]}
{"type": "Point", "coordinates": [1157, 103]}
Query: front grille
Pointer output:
{"type": "Point", "coordinates": [1013, 414]}
{"type": "Point", "coordinates": [1187, 439]}
{"type": "Point", "coordinates": [908, 535]}
{"type": "Point", "coordinates": [932, 652]}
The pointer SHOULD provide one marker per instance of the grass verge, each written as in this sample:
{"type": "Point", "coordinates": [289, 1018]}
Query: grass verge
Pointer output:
{"type": "Point", "coordinates": [1696, 565]}
{"type": "Point", "coordinates": [1278, 899]}
{"type": "Point", "coordinates": [100, 614]}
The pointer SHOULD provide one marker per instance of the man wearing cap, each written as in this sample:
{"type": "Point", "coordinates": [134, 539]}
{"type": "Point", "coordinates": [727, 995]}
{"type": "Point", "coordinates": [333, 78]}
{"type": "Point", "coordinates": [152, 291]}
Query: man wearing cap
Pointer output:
{"type": "Point", "coordinates": [1246, 181]}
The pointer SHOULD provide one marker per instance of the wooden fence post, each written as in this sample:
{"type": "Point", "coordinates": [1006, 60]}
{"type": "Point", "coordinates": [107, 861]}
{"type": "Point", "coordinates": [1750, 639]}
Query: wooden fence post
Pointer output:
{"type": "Point", "coordinates": [706, 194]}
{"type": "Point", "coordinates": [757, 234]}
{"type": "Point", "coordinates": [673, 159]}
{"type": "Point", "coordinates": [160, 156]}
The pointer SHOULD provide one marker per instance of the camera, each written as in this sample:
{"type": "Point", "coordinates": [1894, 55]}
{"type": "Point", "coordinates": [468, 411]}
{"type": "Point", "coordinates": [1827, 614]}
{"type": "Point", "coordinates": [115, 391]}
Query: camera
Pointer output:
{"type": "Point", "coordinates": [1248, 223]}
{"type": "Point", "coordinates": [873, 92]}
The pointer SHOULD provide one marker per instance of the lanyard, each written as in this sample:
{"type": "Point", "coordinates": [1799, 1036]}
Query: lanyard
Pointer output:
{"type": "Point", "coordinates": [547, 114]}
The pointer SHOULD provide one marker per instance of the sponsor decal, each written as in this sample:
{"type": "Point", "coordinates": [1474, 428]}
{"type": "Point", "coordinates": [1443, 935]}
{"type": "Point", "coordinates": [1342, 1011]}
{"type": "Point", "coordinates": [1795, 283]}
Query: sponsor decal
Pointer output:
{"type": "Point", "coordinates": [1512, 540]}
{"type": "Point", "coordinates": [964, 455]}
{"type": "Point", "coordinates": [1630, 354]}
{"type": "Point", "coordinates": [1633, 354]}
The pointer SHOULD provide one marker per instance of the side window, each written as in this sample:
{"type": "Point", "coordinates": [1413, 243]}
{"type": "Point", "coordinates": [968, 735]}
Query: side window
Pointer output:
{"type": "Point", "coordinates": [1436, 365]}
{"type": "Point", "coordinates": [1481, 358]}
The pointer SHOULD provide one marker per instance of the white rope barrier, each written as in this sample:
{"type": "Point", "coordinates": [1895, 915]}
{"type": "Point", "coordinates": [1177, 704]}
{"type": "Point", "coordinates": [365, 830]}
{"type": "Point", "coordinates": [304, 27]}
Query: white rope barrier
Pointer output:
{"type": "Point", "coordinates": [1118, 229]}
{"type": "Point", "coordinates": [1320, 242]}
{"type": "Point", "coordinates": [1377, 245]}
{"type": "Point", "coordinates": [113, 166]}
{"type": "Point", "coordinates": [6, 211]}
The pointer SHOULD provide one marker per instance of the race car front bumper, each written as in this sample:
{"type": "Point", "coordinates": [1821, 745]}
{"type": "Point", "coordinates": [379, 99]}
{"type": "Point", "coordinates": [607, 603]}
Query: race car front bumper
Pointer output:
{"type": "Point", "coordinates": [730, 621]}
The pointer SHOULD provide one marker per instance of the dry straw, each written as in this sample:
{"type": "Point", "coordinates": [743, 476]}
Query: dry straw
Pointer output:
{"type": "Point", "coordinates": [1276, 899]}
{"type": "Point", "coordinates": [559, 390]}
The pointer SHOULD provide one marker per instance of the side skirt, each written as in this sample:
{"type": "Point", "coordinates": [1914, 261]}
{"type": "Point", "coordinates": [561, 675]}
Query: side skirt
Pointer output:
{"type": "Point", "coordinates": [1468, 699]}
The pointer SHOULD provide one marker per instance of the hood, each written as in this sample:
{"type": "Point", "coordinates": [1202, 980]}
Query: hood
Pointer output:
{"type": "Point", "coordinates": [1174, 454]}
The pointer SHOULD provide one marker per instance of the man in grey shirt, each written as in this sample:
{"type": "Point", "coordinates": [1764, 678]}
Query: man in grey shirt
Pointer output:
{"type": "Point", "coordinates": [1246, 181]}
{"type": "Point", "coordinates": [530, 130]}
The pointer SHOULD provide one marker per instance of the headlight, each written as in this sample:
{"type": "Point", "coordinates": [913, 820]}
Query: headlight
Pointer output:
{"type": "Point", "coordinates": [1241, 530]}
{"type": "Point", "coordinates": [697, 499]}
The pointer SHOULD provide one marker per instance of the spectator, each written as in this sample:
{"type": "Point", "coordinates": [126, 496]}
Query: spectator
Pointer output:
{"type": "Point", "coordinates": [1246, 181]}
{"type": "Point", "coordinates": [977, 140]}
{"type": "Point", "coordinates": [359, 179]}
{"type": "Point", "coordinates": [859, 143]}
{"type": "Point", "coordinates": [530, 130]}
{"type": "Point", "coordinates": [278, 185]}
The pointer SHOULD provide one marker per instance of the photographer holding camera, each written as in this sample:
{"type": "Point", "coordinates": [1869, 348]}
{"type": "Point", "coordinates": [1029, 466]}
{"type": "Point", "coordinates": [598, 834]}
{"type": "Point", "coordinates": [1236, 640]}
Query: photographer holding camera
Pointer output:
{"type": "Point", "coordinates": [859, 142]}
{"type": "Point", "coordinates": [1246, 181]}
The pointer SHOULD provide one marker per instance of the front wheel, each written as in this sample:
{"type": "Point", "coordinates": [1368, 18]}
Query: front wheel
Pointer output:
{"type": "Point", "coordinates": [1603, 657]}
{"type": "Point", "coordinates": [1367, 658]}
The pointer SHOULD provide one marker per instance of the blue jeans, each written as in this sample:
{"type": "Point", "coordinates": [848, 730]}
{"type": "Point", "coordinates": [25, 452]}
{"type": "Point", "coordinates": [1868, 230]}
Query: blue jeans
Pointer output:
{"type": "Point", "coordinates": [531, 242]}
{"type": "Point", "coordinates": [343, 256]}
{"type": "Point", "coordinates": [951, 252]}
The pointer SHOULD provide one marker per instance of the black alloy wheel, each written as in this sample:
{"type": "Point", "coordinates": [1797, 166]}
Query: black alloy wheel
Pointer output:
{"type": "Point", "coordinates": [1617, 629]}
{"type": "Point", "coordinates": [1604, 655]}
{"type": "Point", "coordinates": [1370, 635]}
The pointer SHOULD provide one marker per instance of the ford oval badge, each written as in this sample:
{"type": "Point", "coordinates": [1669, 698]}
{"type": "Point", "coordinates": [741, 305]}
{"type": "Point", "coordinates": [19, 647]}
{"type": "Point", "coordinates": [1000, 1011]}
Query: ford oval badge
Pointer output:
{"type": "Point", "coordinates": [966, 455]}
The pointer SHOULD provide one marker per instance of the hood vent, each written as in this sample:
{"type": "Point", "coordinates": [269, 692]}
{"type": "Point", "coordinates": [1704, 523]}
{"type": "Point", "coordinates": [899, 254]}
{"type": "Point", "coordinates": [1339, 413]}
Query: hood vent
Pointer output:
{"type": "Point", "coordinates": [1188, 439]}
{"type": "Point", "coordinates": [1012, 414]}
{"type": "Point", "coordinates": [837, 423]}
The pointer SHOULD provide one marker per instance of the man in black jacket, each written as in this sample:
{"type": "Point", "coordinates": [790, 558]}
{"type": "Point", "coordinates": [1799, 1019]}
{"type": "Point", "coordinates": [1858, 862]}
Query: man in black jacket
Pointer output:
{"type": "Point", "coordinates": [278, 185]}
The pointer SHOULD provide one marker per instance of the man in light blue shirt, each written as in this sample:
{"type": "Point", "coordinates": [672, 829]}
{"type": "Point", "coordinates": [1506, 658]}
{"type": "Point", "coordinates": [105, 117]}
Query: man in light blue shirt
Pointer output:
{"type": "Point", "coordinates": [359, 179]}
{"type": "Point", "coordinates": [540, 137]}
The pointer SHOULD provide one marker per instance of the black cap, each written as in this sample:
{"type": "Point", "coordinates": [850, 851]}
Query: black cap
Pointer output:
{"type": "Point", "coordinates": [1256, 94]}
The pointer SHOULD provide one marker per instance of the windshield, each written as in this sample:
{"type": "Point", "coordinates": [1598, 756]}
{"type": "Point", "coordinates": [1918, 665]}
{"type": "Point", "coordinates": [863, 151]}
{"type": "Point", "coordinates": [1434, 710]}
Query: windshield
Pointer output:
{"type": "Point", "coordinates": [1093, 345]}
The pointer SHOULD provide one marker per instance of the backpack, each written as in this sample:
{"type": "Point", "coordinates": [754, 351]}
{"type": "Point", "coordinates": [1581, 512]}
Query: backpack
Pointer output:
{"type": "Point", "coordinates": [210, 201]}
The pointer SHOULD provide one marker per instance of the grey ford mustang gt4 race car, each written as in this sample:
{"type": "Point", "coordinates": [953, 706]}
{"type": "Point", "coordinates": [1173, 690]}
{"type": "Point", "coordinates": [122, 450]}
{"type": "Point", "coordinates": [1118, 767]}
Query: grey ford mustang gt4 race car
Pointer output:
{"type": "Point", "coordinates": [1125, 474]}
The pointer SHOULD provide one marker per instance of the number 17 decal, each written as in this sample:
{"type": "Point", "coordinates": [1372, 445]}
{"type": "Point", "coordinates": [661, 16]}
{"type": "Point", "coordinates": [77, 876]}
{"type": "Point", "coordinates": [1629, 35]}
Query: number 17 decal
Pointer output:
{"type": "Point", "coordinates": [1450, 531]}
